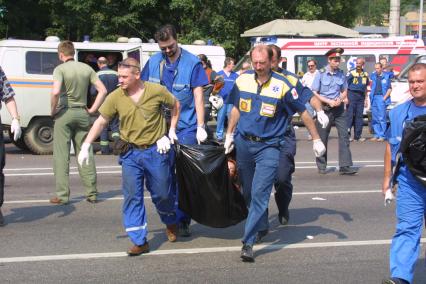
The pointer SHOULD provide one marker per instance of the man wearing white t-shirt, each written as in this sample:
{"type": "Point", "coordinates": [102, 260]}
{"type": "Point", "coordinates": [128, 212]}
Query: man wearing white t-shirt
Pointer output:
{"type": "Point", "coordinates": [309, 76]}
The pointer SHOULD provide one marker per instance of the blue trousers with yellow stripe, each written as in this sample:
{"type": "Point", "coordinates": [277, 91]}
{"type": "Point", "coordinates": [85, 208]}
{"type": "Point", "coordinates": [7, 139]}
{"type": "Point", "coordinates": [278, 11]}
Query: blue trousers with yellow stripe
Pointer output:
{"type": "Point", "coordinates": [153, 168]}
{"type": "Point", "coordinates": [257, 166]}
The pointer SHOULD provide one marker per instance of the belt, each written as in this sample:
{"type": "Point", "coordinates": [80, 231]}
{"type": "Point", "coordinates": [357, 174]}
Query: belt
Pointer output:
{"type": "Point", "coordinates": [140, 147]}
{"type": "Point", "coordinates": [75, 107]}
{"type": "Point", "coordinates": [254, 138]}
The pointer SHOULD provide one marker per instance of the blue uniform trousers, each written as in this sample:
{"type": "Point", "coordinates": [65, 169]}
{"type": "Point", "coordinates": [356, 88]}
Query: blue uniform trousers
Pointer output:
{"type": "Point", "coordinates": [221, 116]}
{"type": "Point", "coordinates": [354, 112]}
{"type": "Point", "coordinates": [187, 137]}
{"type": "Point", "coordinates": [153, 168]}
{"type": "Point", "coordinates": [410, 211]}
{"type": "Point", "coordinates": [113, 125]}
{"type": "Point", "coordinates": [283, 185]}
{"type": "Point", "coordinates": [378, 119]}
{"type": "Point", "coordinates": [257, 166]}
{"type": "Point", "coordinates": [338, 116]}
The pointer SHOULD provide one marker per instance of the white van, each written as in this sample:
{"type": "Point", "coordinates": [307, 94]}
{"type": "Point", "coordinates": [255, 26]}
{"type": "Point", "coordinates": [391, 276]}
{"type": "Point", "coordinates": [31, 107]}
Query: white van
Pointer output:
{"type": "Point", "coordinates": [29, 67]}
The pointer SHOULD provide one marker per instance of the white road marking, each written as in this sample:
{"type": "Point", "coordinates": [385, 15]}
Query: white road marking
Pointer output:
{"type": "Point", "coordinates": [148, 197]}
{"type": "Point", "coordinates": [276, 247]}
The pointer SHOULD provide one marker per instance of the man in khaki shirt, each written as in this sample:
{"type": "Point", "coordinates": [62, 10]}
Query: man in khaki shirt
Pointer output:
{"type": "Point", "coordinates": [146, 153]}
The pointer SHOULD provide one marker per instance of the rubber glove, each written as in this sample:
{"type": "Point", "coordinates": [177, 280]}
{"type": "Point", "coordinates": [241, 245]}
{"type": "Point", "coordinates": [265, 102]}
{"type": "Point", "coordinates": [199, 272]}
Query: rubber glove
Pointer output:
{"type": "Point", "coordinates": [229, 143]}
{"type": "Point", "coordinates": [163, 145]}
{"type": "Point", "coordinates": [172, 135]}
{"type": "Point", "coordinates": [319, 148]}
{"type": "Point", "coordinates": [389, 197]}
{"type": "Point", "coordinates": [15, 128]}
{"type": "Point", "coordinates": [83, 156]}
{"type": "Point", "coordinates": [322, 119]}
{"type": "Point", "coordinates": [201, 134]}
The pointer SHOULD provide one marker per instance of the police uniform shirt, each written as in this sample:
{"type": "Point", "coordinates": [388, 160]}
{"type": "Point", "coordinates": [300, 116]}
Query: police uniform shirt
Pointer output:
{"type": "Point", "coordinates": [264, 109]}
{"type": "Point", "coordinates": [329, 84]}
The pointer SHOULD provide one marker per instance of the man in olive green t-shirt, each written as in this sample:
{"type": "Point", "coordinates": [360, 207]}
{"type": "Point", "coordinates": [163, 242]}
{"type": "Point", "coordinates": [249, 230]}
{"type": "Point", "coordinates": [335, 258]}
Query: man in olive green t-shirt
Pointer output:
{"type": "Point", "coordinates": [71, 81]}
{"type": "Point", "coordinates": [143, 128]}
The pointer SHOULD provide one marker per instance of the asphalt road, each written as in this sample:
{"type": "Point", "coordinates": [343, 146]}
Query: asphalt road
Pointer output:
{"type": "Point", "coordinates": [349, 230]}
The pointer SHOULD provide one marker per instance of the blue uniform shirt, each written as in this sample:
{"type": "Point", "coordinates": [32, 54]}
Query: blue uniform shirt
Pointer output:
{"type": "Point", "coordinates": [198, 78]}
{"type": "Point", "coordinates": [357, 82]}
{"type": "Point", "coordinates": [229, 83]}
{"type": "Point", "coordinates": [264, 109]}
{"type": "Point", "coordinates": [398, 116]}
{"type": "Point", "coordinates": [329, 84]}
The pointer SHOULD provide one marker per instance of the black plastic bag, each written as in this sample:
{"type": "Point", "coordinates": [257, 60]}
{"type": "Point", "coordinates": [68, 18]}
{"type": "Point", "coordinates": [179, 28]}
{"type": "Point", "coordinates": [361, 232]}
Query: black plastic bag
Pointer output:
{"type": "Point", "coordinates": [206, 193]}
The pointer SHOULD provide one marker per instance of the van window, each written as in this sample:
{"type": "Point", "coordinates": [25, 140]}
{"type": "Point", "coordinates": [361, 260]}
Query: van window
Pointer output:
{"type": "Point", "coordinates": [38, 62]}
{"type": "Point", "coordinates": [91, 57]}
{"type": "Point", "coordinates": [398, 61]}
{"type": "Point", "coordinates": [347, 62]}
{"type": "Point", "coordinates": [135, 54]}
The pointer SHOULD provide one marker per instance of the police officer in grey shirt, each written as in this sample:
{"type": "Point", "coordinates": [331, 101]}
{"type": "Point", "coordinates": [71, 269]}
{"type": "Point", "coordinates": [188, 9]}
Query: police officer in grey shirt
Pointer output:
{"type": "Point", "coordinates": [330, 87]}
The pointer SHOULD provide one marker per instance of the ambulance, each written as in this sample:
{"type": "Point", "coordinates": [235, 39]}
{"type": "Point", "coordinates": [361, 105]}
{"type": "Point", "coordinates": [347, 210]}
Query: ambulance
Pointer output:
{"type": "Point", "coordinates": [296, 52]}
{"type": "Point", "coordinates": [29, 67]}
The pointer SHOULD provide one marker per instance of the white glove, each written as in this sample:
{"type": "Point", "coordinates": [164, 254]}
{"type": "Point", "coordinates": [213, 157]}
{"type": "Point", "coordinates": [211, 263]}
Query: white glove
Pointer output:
{"type": "Point", "coordinates": [172, 135]}
{"type": "Point", "coordinates": [15, 128]}
{"type": "Point", "coordinates": [322, 118]}
{"type": "Point", "coordinates": [83, 156]}
{"type": "Point", "coordinates": [217, 101]}
{"type": "Point", "coordinates": [229, 143]}
{"type": "Point", "coordinates": [163, 145]}
{"type": "Point", "coordinates": [319, 148]}
{"type": "Point", "coordinates": [201, 134]}
{"type": "Point", "coordinates": [389, 197]}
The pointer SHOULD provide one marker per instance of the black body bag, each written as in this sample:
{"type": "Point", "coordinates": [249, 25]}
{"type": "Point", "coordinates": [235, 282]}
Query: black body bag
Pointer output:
{"type": "Point", "coordinates": [413, 147]}
{"type": "Point", "coordinates": [206, 193]}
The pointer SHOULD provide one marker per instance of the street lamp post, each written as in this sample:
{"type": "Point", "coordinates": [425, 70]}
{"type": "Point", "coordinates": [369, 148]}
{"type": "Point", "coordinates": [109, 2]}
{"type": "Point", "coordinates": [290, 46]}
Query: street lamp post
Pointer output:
{"type": "Point", "coordinates": [421, 19]}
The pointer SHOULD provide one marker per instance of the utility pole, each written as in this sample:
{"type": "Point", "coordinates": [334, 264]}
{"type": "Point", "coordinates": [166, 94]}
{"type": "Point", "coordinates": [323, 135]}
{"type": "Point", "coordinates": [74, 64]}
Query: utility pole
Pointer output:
{"type": "Point", "coordinates": [394, 17]}
{"type": "Point", "coordinates": [421, 20]}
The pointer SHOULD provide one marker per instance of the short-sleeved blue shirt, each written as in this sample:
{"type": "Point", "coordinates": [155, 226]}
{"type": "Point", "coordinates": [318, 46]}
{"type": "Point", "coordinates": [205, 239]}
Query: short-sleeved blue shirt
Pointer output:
{"type": "Point", "coordinates": [329, 84]}
{"type": "Point", "coordinates": [229, 83]}
{"type": "Point", "coordinates": [264, 109]}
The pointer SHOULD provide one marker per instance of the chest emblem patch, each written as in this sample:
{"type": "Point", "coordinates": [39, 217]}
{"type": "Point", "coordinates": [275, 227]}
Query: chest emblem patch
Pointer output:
{"type": "Point", "coordinates": [245, 105]}
{"type": "Point", "coordinates": [267, 110]}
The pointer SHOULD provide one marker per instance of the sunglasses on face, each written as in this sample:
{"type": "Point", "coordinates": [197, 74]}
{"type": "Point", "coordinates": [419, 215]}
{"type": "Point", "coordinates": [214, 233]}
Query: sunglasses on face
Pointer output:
{"type": "Point", "coordinates": [311, 65]}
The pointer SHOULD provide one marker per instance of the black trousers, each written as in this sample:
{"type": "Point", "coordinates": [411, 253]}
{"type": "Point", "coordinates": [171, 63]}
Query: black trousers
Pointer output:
{"type": "Point", "coordinates": [2, 164]}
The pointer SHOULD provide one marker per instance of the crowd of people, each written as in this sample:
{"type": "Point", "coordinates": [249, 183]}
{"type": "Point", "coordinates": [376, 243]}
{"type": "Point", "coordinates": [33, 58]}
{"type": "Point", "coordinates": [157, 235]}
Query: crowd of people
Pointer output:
{"type": "Point", "coordinates": [166, 102]}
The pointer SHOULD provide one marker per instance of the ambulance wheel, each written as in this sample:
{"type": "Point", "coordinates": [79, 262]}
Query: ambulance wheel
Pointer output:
{"type": "Point", "coordinates": [39, 136]}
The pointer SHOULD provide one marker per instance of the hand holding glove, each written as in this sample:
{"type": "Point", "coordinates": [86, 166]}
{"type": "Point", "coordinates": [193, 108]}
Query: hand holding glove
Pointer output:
{"type": "Point", "coordinates": [322, 119]}
{"type": "Point", "coordinates": [172, 135]}
{"type": "Point", "coordinates": [201, 134]}
{"type": "Point", "coordinates": [15, 128]}
{"type": "Point", "coordinates": [229, 143]}
{"type": "Point", "coordinates": [319, 148]}
{"type": "Point", "coordinates": [83, 156]}
{"type": "Point", "coordinates": [163, 145]}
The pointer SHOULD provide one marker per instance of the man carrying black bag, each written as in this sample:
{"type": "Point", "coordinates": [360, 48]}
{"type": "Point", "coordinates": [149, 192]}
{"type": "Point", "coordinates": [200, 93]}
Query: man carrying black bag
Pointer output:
{"type": "Point", "coordinates": [411, 194]}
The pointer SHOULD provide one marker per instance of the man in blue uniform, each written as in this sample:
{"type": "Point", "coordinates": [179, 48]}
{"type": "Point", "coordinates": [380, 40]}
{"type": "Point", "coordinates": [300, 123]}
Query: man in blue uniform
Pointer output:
{"type": "Point", "coordinates": [109, 78]}
{"type": "Point", "coordinates": [411, 194]}
{"type": "Point", "coordinates": [183, 75]}
{"type": "Point", "coordinates": [357, 88]}
{"type": "Point", "coordinates": [381, 89]}
{"type": "Point", "coordinates": [283, 186]}
{"type": "Point", "coordinates": [329, 87]}
{"type": "Point", "coordinates": [229, 78]}
{"type": "Point", "coordinates": [262, 102]}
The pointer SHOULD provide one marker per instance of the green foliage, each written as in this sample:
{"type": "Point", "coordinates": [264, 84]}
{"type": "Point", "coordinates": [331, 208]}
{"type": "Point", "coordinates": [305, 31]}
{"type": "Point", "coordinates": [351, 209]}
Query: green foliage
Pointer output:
{"type": "Point", "coordinates": [222, 21]}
